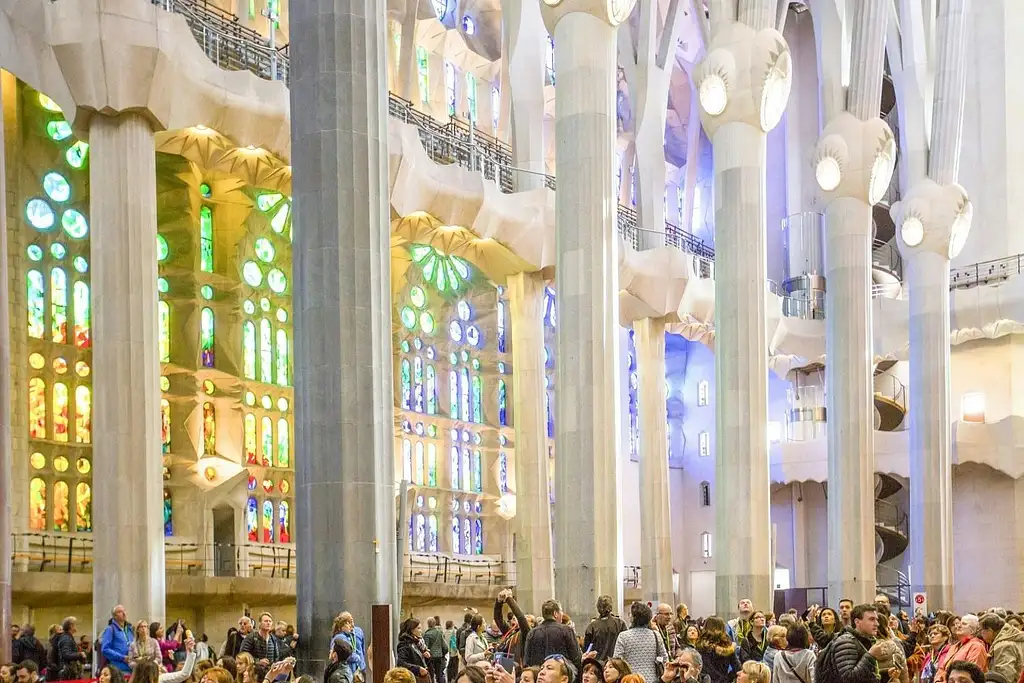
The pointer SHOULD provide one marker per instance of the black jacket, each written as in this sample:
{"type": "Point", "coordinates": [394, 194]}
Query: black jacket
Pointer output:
{"type": "Point", "coordinates": [28, 648]}
{"type": "Point", "coordinates": [721, 662]}
{"type": "Point", "coordinates": [503, 626]}
{"type": "Point", "coordinates": [820, 636]}
{"type": "Point", "coordinates": [752, 649]}
{"type": "Point", "coordinates": [409, 655]}
{"type": "Point", "coordinates": [846, 660]}
{"type": "Point", "coordinates": [551, 638]}
{"type": "Point", "coordinates": [602, 634]}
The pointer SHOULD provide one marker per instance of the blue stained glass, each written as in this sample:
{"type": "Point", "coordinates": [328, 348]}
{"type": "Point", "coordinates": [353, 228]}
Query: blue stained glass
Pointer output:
{"type": "Point", "coordinates": [502, 403]}
{"type": "Point", "coordinates": [432, 534]}
{"type": "Point", "coordinates": [417, 384]}
{"type": "Point", "coordinates": [467, 537]}
{"type": "Point", "coordinates": [478, 472]}
{"type": "Point", "coordinates": [550, 415]}
{"type": "Point", "coordinates": [453, 395]}
{"type": "Point", "coordinates": [478, 536]}
{"type": "Point", "coordinates": [466, 471]}
{"type": "Point", "coordinates": [464, 394]}
{"type": "Point", "coordinates": [501, 326]}
{"type": "Point", "coordinates": [431, 391]}
{"type": "Point", "coordinates": [406, 384]}
{"type": "Point", "coordinates": [503, 472]}
{"type": "Point", "coordinates": [455, 468]}
{"type": "Point", "coordinates": [168, 514]}
{"type": "Point", "coordinates": [456, 534]}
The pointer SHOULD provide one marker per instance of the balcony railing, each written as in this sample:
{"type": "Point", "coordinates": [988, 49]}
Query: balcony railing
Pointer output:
{"type": "Point", "coordinates": [985, 272]}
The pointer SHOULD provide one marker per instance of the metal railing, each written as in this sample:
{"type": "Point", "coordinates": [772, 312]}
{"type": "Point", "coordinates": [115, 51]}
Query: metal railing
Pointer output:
{"type": "Point", "coordinates": [885, 256]}
{"type": "Point", "coordinates": [895, 584]}
{"type": "Point", "coordinates": [978, 274]}
{"type": "Point", "coordinates": [440, 569]}
{"type": "Point", "coordinates": [890, 388]}
{"type": "Point", "coordinates": [891, 516]}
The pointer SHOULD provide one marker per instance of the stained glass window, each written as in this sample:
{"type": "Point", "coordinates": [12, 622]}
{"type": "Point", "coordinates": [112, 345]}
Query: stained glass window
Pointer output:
{"type": "Point", "coordinates": [162, 250]}
{"type": "Point", "coordinates": [165, 425]}
{"type": "Point", "coordinates": [206, 239]}
{"type": "Point", "coordinates": [446, 272]}
{"type": "Point", "coordinates": [495, 108]}
{"type": "Point", "coordinates": [466, 475]}
{"type": "Point", "coordinates": [37, 408]}
{"type": "Point", "coordinates": [406, 379]}
{"type": "Point", "coordinates": [268, 522]}
{"type": "Point", "coordinates": [209, 429]}
{"type": "Point", "coordinates": [164, 317]}
{"type": "Point", "coordinates": [283, 455]}
{"type": "Point", "coordinates": [503, 472]}
{"type": "Point", "coordinates": [449, 87]}
{"type": "Point", "coordinates": [423, 73]}
{"type": "Point", "coordinates": [419, 465]}
{"type": "Point", "coordinates": [37, 505]}
{"type": "Point", "coordinates": [454, 467]}
{"type": "Point", "coordinates": [284, 523]}
{"type": "Point", "coordinates": [432, 534]}
{"type": "Point", "coordinates": [417, 384]}
{"type": "Point", "coordinates": [502, 403]}
{"type": "Point", "coordinates": [250, 438]}
{"type": "Point", "coordinates": [266, 352]}
{"type": "Point", "coordinates": [420, 537]}
{"type": "Point", "coordinates": [464, 394]}
{"type": "Point", "coordinates": [83, 507]}
{"type": "Point", "coordinates": [251, 521]}
{"type": "Point", "coordinates": [478, 536]}
{"type": "Point", "coordinates": [59, 305]}
{"type": "Point", "coordinates": [453, 395]}
{"type": "Point", "coordinates": [83, 315]}
{"type": "Point", "coordinates": [36, 304]}
{"type": "Point", "coordinates": [282, 358]}
{"type": "Point", "coordinates": [168, 514]}
{"type": "Point", "coordinates": [61, 501]}
{"type": "Point", "coordinates": [456, 534]}
{"type": "Point", "coordinates": [478, 408]}
{"type": "Point", "coordinates": [431, 391]}
{"type": "Point", "coordinates": [83, 415]}
{"type": "Point", "coordinates": [431, 464]}
{"type": "Point", "coordinates": [74, 224]}
{"type": "Point", "coordinates": [60, 412]}
{"type": "Point", "coordinates": [471, 96]}
{"type": "Point", "coordinates": [406, 460]}
{"type": "Point", "coordinates": [249, 349]}
{"type": "Point", "coordinates": [467, 537]}
{"type": "Point", "coordinates": [40, 215]}
{"type": "Point", "coordinates": [478, 472]}
{"type": "Point", "coordinates": [549, 60]}
{"type": "Point", "coordinates": [206, 338]}
{"type": "Point", "coordinates": [267, 442]}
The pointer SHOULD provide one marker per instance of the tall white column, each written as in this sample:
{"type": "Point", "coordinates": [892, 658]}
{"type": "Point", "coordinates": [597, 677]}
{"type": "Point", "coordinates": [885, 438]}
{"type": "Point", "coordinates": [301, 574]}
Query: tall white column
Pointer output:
{"type": "Point", "coordinates": [525, 47]}
{"type": "Point", "coordinates": [587, 544]}
{"type": "Point", "coordinates": [741, 60]}
{"type": "Point", "coordinates": [6, 453]}
{"type": "Point", "coordinates": [534, 563]}
{"type": "Point", "coordinates": [128, 539]}
{"type": "Point", "coordinates": [853, 165]}
{"type": "Point", "coordinates": [655, 512]}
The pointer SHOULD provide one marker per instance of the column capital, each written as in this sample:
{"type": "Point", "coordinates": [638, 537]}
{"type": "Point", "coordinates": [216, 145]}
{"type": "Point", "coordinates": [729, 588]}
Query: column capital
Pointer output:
{"type": "Point", "coordinates": [614, 12]}
{"type": "Point", "coordinates": [855, 158]}
{"type": "Point", "coordinates": [933, 217]}
{"type": "Point", "coordinates": [745, 77]}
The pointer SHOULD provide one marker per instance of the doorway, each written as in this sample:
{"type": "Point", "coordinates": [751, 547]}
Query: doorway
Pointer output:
{"type": "Point", "coordinates": [224, 548]}
{"type": "Point", "coordinates": [702, 592]}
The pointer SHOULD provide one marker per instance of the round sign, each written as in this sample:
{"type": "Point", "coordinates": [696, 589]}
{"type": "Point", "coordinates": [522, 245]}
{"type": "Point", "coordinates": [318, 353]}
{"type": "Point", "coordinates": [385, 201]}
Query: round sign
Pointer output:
{"type": "Point", "coordinates": [919, 599]}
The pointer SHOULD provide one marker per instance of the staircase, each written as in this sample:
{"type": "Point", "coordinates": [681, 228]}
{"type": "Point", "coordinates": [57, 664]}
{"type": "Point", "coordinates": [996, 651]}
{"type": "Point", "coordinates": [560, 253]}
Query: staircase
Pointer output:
{"type": "Point", "coordinates": [890, 399]}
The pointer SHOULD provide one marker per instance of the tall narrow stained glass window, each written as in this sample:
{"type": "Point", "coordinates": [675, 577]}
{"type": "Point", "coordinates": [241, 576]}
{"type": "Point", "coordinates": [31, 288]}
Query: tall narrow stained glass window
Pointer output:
{"type": "Point", "coordinates": [36, 408]}
{"type": "Point", "coordinates": [249, 430]}
{"type": "Point", "coordinates": [406, 380]}
{"type": "Point", "coordinates": [37, 505]}
{"type": "Point", "coordinates": [471, 97]}
{"type": "Point", "coordinates": [456, 534]}
{"type": "Point", "coordinates": [464, 395]}
{"type": "Point", "coordinates": [83, 507]}
{"type": "Point", "coordinates": [478, 399]}
{"type": "Point", "coordinates": [165, 425]}
{"type": "Point", "coordinates": [406, 460]}
{"type": "Point", "coordinates": [206, 337]}
{"type": "Point", "coordinates": [501, 326]}
{"type": "Point", "coordinates": [168, 514]}
{"type": "Point", "coordinates": [478, 472]}
{"type": "Point", "coordinates": [61, 501]}
{"type": "Point", "coordinates": [83, 415]}
{"type": "Point", "coordinates": [266, 352]}
{"type": "Point", "coordinates": [418, 465]}
{"type": "Point", "coordinates": [502, 403]}
{"type": "Point", "coordinates": [209, 429]}
{"type": "Point", "coordinates": [449, 87]}
{"type": "Point", "coordinates": [251, 520]}
{"type": "Point", "coordinates": [431, 390]}
{"type": "Point", "coordinates": [423, 74]}
{"type": "Point", "coordinates": [284, 522]}
{"type": "Point", "coordinates": [432, 534]}
{"type": "Point", "coordinates": [431, 464]}
{"type": "Point", "coordinates": [59, 306]}
{"type": "Point", "coordinates": [282, 358]}
{"type": "Point", "coordinates": [164, 320]}
{"type": "Point", "coordinates": [83, 315]}
{"type": "Point", "coordinates": [453, 395]}
{"type": "Point", "coordinates": [268, 522]}
{"type": "Point", "coordinates": [206, 239]}
{"type": "Point", "coordinates": [36, 304]}
{"type": "Point", "coordinates": [267, 442]}
{"type": "Point", "coordinates": [453, 467]}
{"type": "Point", "coordinates": [283, 454]}
{"type": "Point", "coordinates": [60, 412]}
{"type": "Point", "coordinates": [249, 349]}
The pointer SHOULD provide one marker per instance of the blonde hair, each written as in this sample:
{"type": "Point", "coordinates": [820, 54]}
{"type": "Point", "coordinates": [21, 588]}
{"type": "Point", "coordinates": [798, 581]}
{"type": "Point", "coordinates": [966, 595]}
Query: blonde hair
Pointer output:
{"type": "Point", "coordinates": [399, 674]}
{"type": "Point", "coordinates": [138, 627]}
{"type": "Point", "coordinates": [776, 632]}
{"type": "Point", "coordinates": [245, 664]}
{"type": "Point", "coordinates": [341, 620]}
{"type": "Point", "coordinates": [757, 672]}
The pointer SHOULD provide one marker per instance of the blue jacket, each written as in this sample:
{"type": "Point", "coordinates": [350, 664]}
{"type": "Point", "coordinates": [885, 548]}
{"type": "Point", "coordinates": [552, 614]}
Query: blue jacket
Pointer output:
{"type": "Point", "coordinates": [114, 645]}
{"type": "Point", "coordinates": [357, 662]}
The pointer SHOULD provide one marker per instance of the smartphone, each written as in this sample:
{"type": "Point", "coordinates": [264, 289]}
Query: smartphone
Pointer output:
{"type": "Point", "coordinates": [506, 662]}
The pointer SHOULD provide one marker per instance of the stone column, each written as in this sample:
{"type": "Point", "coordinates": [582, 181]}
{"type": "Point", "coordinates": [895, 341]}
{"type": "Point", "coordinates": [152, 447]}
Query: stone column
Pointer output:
{"type": "Point", "coordinates": [588, 549]}
{"type": "Point", "coordinates": [6, 452]}
{"type": "Point", "coordinates": [128, 537]}
{"type": "Point", "coordinates": [526, 45]}
{"type": "Point", "coordinates": [741, 60]}
{"type": "Point", "coordinates": [655, 511]}
{"type": "Point", "coordinates": [534, 564]}
{"type": "Point", "coordinates": [343, 357]}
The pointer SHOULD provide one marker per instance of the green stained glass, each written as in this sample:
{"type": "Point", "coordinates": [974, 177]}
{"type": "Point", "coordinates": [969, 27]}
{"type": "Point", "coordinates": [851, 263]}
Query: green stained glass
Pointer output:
{"type": "Point", "coordinates": [206, 291]}
{"type": "Point", "coordinates": [162, 250]}
{"type": "Point", "coordinates": [164, 322]}
{"type": "Point", "coordinates": [446, 273]}
{"type": "Point", "coordinates": [282, 358]}
{"type": "Point", "coordinates": [249, 307]}
{"type": "Point", "coordinates": [58, 251]}
{"type": "Point", "coordinates": [282, 443]}
{"type": "Point", "coordinates": [206, 239]}
{"type": "Point", "coordinates": [39, 214]}
{"type": "Point", "coordinates": [406, 380]}
{"type": "Point", "coordinates": [77, 154]}
{"type": "Point", "coordinates": [56, 187]}
{"type": "Point", "coordinates": [249, 349]}
{"type": "Point", "coordinates": [206, 337]}
{"type": "Point", "coordinates": [35, 252]}
{"type": "Point", "coordinates": [280, 219]}
{"type": "Point", "coordinates": [81, 264]}
{"type": "Point", "coordinates": [204, 189]}
{"type": "Point", "coordinates": [408, 318]}
{"type": "Point", "coordinates": [266, 353]}
{"type": "Point", "coordinates": [252, 274]}
{"type": "Point", "coordinates": [161, 285]}
{"type": "Point", "coordinates": [48, 104]}
{"type": "Point", "coordinates": [478, 392]}
{"type": "Point", "coordinates": [267, 200]}
{"type": "Point", "coordinates": [265, 305]}
{"type": "Point", "coordinates": [427, 322]}
{"type": "Point", "coordinates": [277, 281]}
{"type": "Point", "coordinates": [282, 315]}
{"type": "Point", "coordinates": [36, 305]}
{"type": "Point", "coordinates": [265, 250]}
{"type": "Point", "coordinates": [405, 346]}
{"type": "Point", "coordinates": [58, 130]}
{"type": "Point", "coordinates": [74, 224]}
{"type": "Point", "coordinates": [418, 297]}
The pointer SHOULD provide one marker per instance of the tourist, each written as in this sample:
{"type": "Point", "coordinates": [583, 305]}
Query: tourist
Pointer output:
{"type": "Point", "coordinates": [845, 610]}
{"type": "Point", "coordinates": [477, 648]}
{"type": "Point", "coordinates": [28, 647]}
{"type": "Point", "coordinates": [737, 628]}
{"type": "Point", "coordinates": [718, 652]}
{"type": "Point", "coordinates": [551, 637]}
{"type": "Point", "coordinates": [85, 647]}
{"type": "Point", "coordinates": [529, 674]}
{"type": "Point", "coordinates": [143, 646]}
{"type": "Point", "coordinates": [216, 675]}
{"type": "Point", "coordinates": [262, 644]}
{"type": "Point", "coordinates": [592, 672]}
{"type": "Point", "coordinates": [753, 672]}
{"type": "Point", "coordinates": [70, 662]}
{"type": "Point", "coordinates": [641, 645]}
{"type": "Point", "coordinates": [338, 670]}
{"type": "Point", "coordinates": [27, 672]}
{"type": "Point", "coordinates": [286, 639]}
{"type": "Point", "coordinates": [777, 642]}
{"type": "Point", "coordinates": [1006, 646]}
{"type": "Point", "coordinates": [344, 628]}
{"type": "Point", "coordinates": [245, 668]}
{"type": "Point", "coordinates": [115, 640]}
{"type": "Point", "coordinates": [230, 665]}
{"type": "Point", "coordinates": [892, 665]}
{"type": "Point", "coordinates": [203, 651]}
{"type": "Point", "coordinates": [683, 619]}
{"type": "Point", "coordinates": [965, 672]}
{"type": "Point", "coordinates": [794, 663]}
{"type": "Point", "coordinates": [601, 634]}
{"type": "Point", "coordinates": [824, 625]}
{"type": "Point", "coordinates": [616, 669]}
{"type": "Point", "coordinates": [408, 651]}
{"type": "Point", "coordinates": [557, 668]}
{"type": "Point", "coordinates": [852, 657]}
{"type": "Point", "coordinates": [967, 648]}
{"type": "Point", "coordinates": [111, 674]}
{"type": "Point", "coordinates": [168, 645]}
{"type": "Point", "coordinates": [6, 673]}
{"type": "Point", "coordinates": [515, 630]}
{"type": "Point", "coordinates": [663, 624]}
{"type": "Point", "coordinates": [233, 643]}
{"type": "Point", "coordinates": [687, 667]}
{"type": "Point", "coordinates": [754, 644]}
{"type": "Point", "coordinates": [939, 646]}
{"type": "Point", "coordinates": [148, 670]}
{"type": "Point", "coordinates": [438, 648]}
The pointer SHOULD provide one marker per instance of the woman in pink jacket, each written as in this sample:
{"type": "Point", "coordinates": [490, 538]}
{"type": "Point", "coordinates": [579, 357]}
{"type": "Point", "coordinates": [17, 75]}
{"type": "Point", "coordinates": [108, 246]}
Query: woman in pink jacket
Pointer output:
{"type": "Point", "coordinates": [971, 648]}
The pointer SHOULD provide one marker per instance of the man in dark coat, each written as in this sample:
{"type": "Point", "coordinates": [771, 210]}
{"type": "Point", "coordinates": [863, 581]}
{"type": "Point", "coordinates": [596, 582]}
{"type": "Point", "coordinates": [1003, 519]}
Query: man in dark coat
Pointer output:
{"type": "Point", "coordinates": [604, 630]}
{"type": "Point", "coordinates": [551, 637]}
{"type": "Point", "coordinates": [28, 648]}
{"type": "Point", "coordinates": [852, 657]}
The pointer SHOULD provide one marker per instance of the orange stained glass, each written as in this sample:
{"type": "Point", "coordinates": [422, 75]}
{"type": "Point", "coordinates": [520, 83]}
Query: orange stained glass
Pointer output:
{"type": "Point", "coordinates": [83, 415]}
{"type": "Point", "coordinates": [37, 408]}
{"type": "Point", "coordinates": [83, 507]}
{"type": "Point", "coordinates": [60, 412]}
{"type": "Point", "coordinates": [61, 497]}
{"type": "Point", "coordinates": [165, 425]}
{"type": "Point", "coordinates": [37, 505]}
{"type": "Point", "coordinates": [250, 439]}
{"type": "Point", "coordinates": [267, 445]}
{"type": "Point", "coordinates": [59, 306]}
{"type": "Point", "coordinates": [209, 429]}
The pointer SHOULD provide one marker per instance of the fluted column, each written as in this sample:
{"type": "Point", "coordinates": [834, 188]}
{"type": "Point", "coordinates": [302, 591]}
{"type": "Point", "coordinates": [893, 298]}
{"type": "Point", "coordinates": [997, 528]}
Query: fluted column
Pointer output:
{"type": "Point", "coordinates": [343, 356]}
{"type": "Point", "coordinates": [741, 61]}
{"type": "Point", "coordinates": [655, 511]}
{"type": "Point", "coordinates": [128, 539]}
{"type": "Point", "coordinates": [867, 64]}
{"type": "Point", "coordinates": [534, 563]}
{"type": "Point", "coordinates": [6, 453]}
{"type": "Point", "coordinates": [588, 548]}
{"type": "Point", "coordinates": [523, 28]}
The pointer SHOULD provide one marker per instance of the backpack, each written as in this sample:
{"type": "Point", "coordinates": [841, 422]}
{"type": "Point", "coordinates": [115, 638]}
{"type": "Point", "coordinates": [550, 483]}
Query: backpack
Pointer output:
{"type": "Point", "coordinates": [53, 658]}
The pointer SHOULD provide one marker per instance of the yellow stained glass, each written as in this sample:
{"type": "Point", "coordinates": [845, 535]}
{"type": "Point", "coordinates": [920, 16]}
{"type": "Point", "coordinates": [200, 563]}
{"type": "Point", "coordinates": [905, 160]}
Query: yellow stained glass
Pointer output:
{"type": "Point", "coordinates": [61, 498]}
{"type": "Point", "coordinates": [60, 412]}
{"type": "Point", "coordinates": [37, 505]}
{"type": "Point", "coordinates": [83, 507]}
{"type": "Point", "coordinates": [37, 408]}
{"type": "Point", "coordinates": [37, 460]}
{"type": "Point", "coordinates": [83, 415]}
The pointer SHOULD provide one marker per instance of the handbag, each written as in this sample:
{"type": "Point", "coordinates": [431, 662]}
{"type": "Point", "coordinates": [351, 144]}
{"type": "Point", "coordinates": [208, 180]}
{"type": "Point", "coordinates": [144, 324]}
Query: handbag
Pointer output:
{"type": "Point", "coordinates": [659, 665]}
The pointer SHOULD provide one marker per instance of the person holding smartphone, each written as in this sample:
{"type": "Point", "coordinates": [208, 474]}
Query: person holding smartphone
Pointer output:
{"type": "Point", "coordinates": [408, 651]}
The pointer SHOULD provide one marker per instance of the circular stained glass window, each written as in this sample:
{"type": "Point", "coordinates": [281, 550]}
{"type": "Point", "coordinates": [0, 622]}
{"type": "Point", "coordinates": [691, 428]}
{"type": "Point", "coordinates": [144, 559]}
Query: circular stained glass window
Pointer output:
{"type": "Point", "coordinates": [465, 356]}
{"type": "Point", "coordinates": [501, 367]}
{"type": "Point", "coordinates": [427, 322]}
{"type": "Point", "coordinates": [268, 485]}
{"type": "Point", "coordinates": [454, 434]}
{"type": "Point", "coordinates": [204, 189]}
{"type": "Point", "coordinates": [418, 297]}
{"type": "Point", "coordinates": [48, 104]}
{"type": "Point", "coordinates": [266, 402]}
{"type": "Point", "coordinates": [478, 507]}
{"type": "Point", "coordinates": [285, 486]}
{"type": "Point", "coordinates": [252, 274]}
{"type": "Point", "coordinates": [249, 307]}
{"type": "Point", "coordinates": [466, 506]}
{"type": "Point", "coordinates": [58, 130]}
{"type": "Point", "coordinates": [77, 154]}
{"type": "Point", "coordinates": [39, 214]}
{"type": "Point", "coordinates": [56, 187]}
{"type": "Point", "coordinates": [406, 426]}
{"type": "Point", "coordinates": [210, 473]}
{"type": "Point", "coordinates": [405, 346]}
{"type": "Point", "coordinates": [60, 463]}
{"type": "Point", "coordinates": [37, 460]}
{"type": "Point", "coordinates": [74, 224]}
{"type": "Point", "coordinates": [206, 291]}
{"type": "Point", "coordinates": [161, 285]}
{"type": "Point", "coordinates": [252, 483]}
{"type": "Point", "coordinates": [419, 429]}
{"type": "Point", "coordinates": [455, 331]}
{"type": "Point", "coordinates": [83, 465]}
{"type": "Point", "coordinates": [432, 430]}
{"type": "Point", "coordinates": [277, 281]}
{"type": "Point", "coordinates": [408, 317]}
{"type": "Point", "coordinates": [419, 501]}
{"type": "Point", "coordinates": [162, 250]}
{"type": "Point", "coordinates": [465, 436]}
{"type": "Point", "coordinates": [432, 503]}
{"type": "Point", "coordinates": [455, 506]}
{"type": "Point", "coordinates": [264, 250]}
{"type": "Point", "coordinates": [430, 352]}
{"type": "Point", "coordinates": [282, 404]}
{"type": "Point", "coordinates": [81, 264]}
{"type": "Point", "coordinates": [463, 309]}
{"type": "Point", "coordinates": [58, 250]}
{"type": "Point", "coordinates": [35, 252]}
{"type": "Point", "coordinates": [82, 368]}
{"type": "Point", "coordinates": [208, 386]}
{"type": "Point", "coordinates": [36, 360]}
{"type": "Point", "coordinates": [502, 440]}
{"type": "Point", "coordinates": [417, 343]}
{"type": "Point", "coordinates": [165, 384]}
{"type": "Point", "coordinates": [250, 398]}
{"type": "Point", "coordinates": [265, 304]}
{"type": "Point", "coordinates": [282, 315]}
{"type": "Point", "coordinates": [476, 363]}
{"type": "Point", "coordinates": [453, 357]}
{"type": "Point", "coordinates": [60, 366]}
{"type": "Point", "coordinates": [473, 335]}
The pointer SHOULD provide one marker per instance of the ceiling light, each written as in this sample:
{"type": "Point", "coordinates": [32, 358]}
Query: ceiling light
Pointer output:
{"type": "Point", "coordinates": [775, 93]}
{"type": "Point", "coordinates": [881, 171]}
{"type": "Point", "coordinates": [828, 173]}
{"type": "Point", "coordinates": [912, 231]}
{"type": "Point", "coordinates": [961, 228]}
{"type": "Point", "coordinates": [713, 95]}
